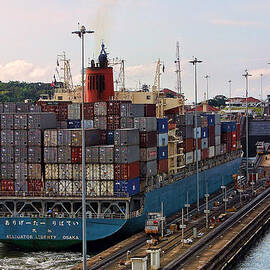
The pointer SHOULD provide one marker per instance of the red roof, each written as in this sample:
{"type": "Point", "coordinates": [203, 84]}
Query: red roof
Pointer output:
{"type": "Point", "coordinates": [167, 91]}
{"type": "Point", "coordinates": [243, 100]}
{"type": "Point", "coordinates": [200, 109]}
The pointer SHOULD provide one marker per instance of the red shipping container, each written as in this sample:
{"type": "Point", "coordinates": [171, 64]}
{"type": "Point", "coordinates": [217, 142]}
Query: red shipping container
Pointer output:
{"type": "Point", "coordinates": [188, 145]}
{"type": "Point", "coordinates": [205, 154]}
{"type": "Point", "coordinates": [76, 154]}
{"type": "Point", "coordinates": [7, 187]}
{"type": "Point", "coordinates": [233, 146]}
{"type": "Point", "coordinates": [103, 136]}
{"type": "Point", "coordinates": [113, 122]}
{"type": "Point", "coordinates": [113, 107]}
{"type": "Point", "coordinates": [35, 187]}
{"type": "Point", "coordinates": [199, 144]}
{"type": "Point", "coordinates": [238, 131]}
{"type": "Point", "coordinates": [234, 136]}
{"type": "Point", "coordinates": [150, 110]}
{"type": "Point", "coordinates": [228, 146]}
{"type": "Point", "coordinates": [126, 171]}
{"type": "Point", "coordinates": [226, 137]}
{"type": "Point", "coordinates": [89, 111]}
{"type": "Point", "coordinates": [148, 139]}
{"type": "Point", "coordinates": [163, 166]}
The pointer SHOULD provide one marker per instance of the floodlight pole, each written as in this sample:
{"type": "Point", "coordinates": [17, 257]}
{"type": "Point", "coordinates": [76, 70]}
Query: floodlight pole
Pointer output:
{"type": "Point", "coordinates": [230, 94]}
{"type": "Point", "coordinates": [81, 34]}
{"type": "Point", "coordinates": [195, 61]}
{"type": "Point", "coordinates": [246, 75]}
{"type": "Point", "coordinates": [207, 77]}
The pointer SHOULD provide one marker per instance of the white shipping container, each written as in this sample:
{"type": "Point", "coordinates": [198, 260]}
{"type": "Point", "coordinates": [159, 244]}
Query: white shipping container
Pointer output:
{"type": "Point", "coordinates": [51, 171]}
{"type": "Point", "coordinates": [65, 171]}
{"type": "Point", "coordinates": [199, 132]}
{"type": "Point", "coordinates": [65, 188]}
{"type": "Point", "coordinates": [77, 171]}
{"type": "Point", "coordinates": [106, 171]}
{"type": "Point", "coordinates": [217, 140]}
{"type": "Point", "coordinates": [93, 188]}
{"type": "Point", "coordinates": [218, 150]}
{"type": "Point", "coordinates": [211, 151]}
{"type": "Point", "coordinates": [106, 188]}
{"type": "Point", "coordinates": [88, 123]}
{"type": "Point", "coordinates": [77, 188]}
{"type": "Point", "coordinates": [199, 153]}
{"type": "Point", "coordinates": [92, 171]}
{"type": "Point", "coordinates": [50, 137]}
{"type": "Point", "coordinates": [189, 157]}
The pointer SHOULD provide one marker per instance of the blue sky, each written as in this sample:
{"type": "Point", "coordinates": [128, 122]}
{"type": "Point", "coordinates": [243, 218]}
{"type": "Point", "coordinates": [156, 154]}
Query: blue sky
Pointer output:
{"type": "Point", "coordinates": [228, 36]}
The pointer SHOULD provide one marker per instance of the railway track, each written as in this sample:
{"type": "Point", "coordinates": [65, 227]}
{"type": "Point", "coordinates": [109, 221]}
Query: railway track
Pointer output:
{"type": "Point", "coordinates": [171, 244]}
{"type": "Point", "coordinates": [181, 260]}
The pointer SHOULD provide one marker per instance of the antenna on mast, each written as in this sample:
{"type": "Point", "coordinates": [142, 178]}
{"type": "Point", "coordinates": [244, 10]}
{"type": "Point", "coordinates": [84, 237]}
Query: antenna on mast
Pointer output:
{"type": "Point", "coordinates": [178, 69]}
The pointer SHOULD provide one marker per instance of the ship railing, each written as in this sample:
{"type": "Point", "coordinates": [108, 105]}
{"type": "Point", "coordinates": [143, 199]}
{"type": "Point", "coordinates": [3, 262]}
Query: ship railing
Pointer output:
{"type": "Point", "coordinates": [103, 215]}
{"type": "Point", "coordinates": [64, 215]}
{"type": "Point", "coordinates": [136, 213]}
{"type": "Point", "coordinates": [43, 194]}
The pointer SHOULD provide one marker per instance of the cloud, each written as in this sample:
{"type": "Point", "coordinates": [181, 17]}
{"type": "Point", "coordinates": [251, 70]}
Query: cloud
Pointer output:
{"type": "Point", "coordinates": [256, 73]}
{"type": "Point", "coordinates": [20, 70]}
{"type": "Point", "coordinates": [232, 22]}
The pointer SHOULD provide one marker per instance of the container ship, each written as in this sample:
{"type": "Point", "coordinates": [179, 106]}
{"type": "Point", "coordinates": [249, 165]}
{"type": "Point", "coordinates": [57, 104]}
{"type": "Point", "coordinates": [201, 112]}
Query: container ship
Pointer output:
{"type": "Point", "coordinates": [140, 153]}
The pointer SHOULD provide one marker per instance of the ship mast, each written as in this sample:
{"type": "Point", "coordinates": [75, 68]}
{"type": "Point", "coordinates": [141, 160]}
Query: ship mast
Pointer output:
{"type": "Point", "coordinates": [120, 81]}
{"type": "Point", "coordinates": [178, 69]}
{"type": "Point", "coordinates": [66, 71]}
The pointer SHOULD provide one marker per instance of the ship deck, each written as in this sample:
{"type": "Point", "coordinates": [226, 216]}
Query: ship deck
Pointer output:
{"type": "Point", "coordinates": [41, 198]}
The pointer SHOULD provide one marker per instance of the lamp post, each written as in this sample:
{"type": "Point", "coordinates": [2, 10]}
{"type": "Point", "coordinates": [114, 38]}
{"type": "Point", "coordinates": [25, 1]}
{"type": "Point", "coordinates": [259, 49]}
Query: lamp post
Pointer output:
{"type": "Point", "coordinates": [207, 77]}
{"type": "Point", "coordinates": [195, 61]}
{"type": "Point", "coordinates": [261, 86]}
{"type": "Point", "coordinates": [246, 75]}
{"type": "Point", "coordinates": [81, 34]}
{"type": "Point", "coordinates": [230, 96]}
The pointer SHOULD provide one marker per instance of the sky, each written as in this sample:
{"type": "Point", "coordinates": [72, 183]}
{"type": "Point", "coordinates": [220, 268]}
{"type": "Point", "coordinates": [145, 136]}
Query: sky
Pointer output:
{"type": "Point", "coordinates": [228, 36]}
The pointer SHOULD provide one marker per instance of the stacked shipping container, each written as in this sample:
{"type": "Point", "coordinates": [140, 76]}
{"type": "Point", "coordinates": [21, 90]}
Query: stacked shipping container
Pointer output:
{"type": "Point", "coordinates": [21, 147]}
{"type": "Point", "coordinates": [126, 146]}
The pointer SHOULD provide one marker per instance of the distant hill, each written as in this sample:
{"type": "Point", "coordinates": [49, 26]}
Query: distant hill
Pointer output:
{"type": "Point", "coordinates": [15, 91]}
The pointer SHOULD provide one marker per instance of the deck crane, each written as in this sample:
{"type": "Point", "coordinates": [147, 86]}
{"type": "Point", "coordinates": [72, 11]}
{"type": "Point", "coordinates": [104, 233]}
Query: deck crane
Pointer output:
{"type": "Point", "coordinates": [156, 90]}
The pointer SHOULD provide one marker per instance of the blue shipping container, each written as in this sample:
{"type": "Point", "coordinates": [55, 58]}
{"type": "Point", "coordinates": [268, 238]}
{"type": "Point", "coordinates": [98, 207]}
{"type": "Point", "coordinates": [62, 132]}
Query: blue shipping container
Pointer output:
{"type": "Point", "coordinates": [129, 187]}
{"type": "Point", "coordinates": [204, 133]}
{"type": "Point", "coordinates": [73, 124]}
{"type": "Point", "coordinates": [233, 126]}
{"type": "Point", "coordinates": [162, 139]}
{"type": "Point", "coordinates": [162, 125]}
{"type": "Point", "coordinates": [110, 137]}
{"type": "Point", "coordinates": [211, 119]}
{"type": "Point", "coordinates": [162, 152]}
{"type": "Point", "coordinates": [226, 127]}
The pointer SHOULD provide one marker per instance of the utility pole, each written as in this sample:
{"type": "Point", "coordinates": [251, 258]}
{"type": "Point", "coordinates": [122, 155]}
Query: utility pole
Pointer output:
{"type": "Point", "coordinates": [187, 205]}
{"type": "Point", "coordinates": [246, 75]}
{"type": "Point", "coordinates": [178, 69]}
{"type": "Point", "coordinates": [81, 34]}
{"type": "Point", "coordinates": [195, 61]}
{"type": "Point", "coordinates": [207, 77]}
{"type": "Point", "coordinates": [230, 96]}
{"type": "Point", "coordinates": [182, 226]}
{"type": "Point", "coordinates": [261, 86]}
{"type": "Point", "coordinates": [206, 211]}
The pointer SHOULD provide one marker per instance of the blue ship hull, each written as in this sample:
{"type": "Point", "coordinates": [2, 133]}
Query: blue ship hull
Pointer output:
{"type": "Point", "coordinates": [64, 232]}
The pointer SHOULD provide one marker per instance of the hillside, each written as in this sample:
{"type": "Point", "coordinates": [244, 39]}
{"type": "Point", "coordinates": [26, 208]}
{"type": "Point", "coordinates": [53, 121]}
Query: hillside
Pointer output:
{"type": "Point", "coordinates": [15, 91]}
